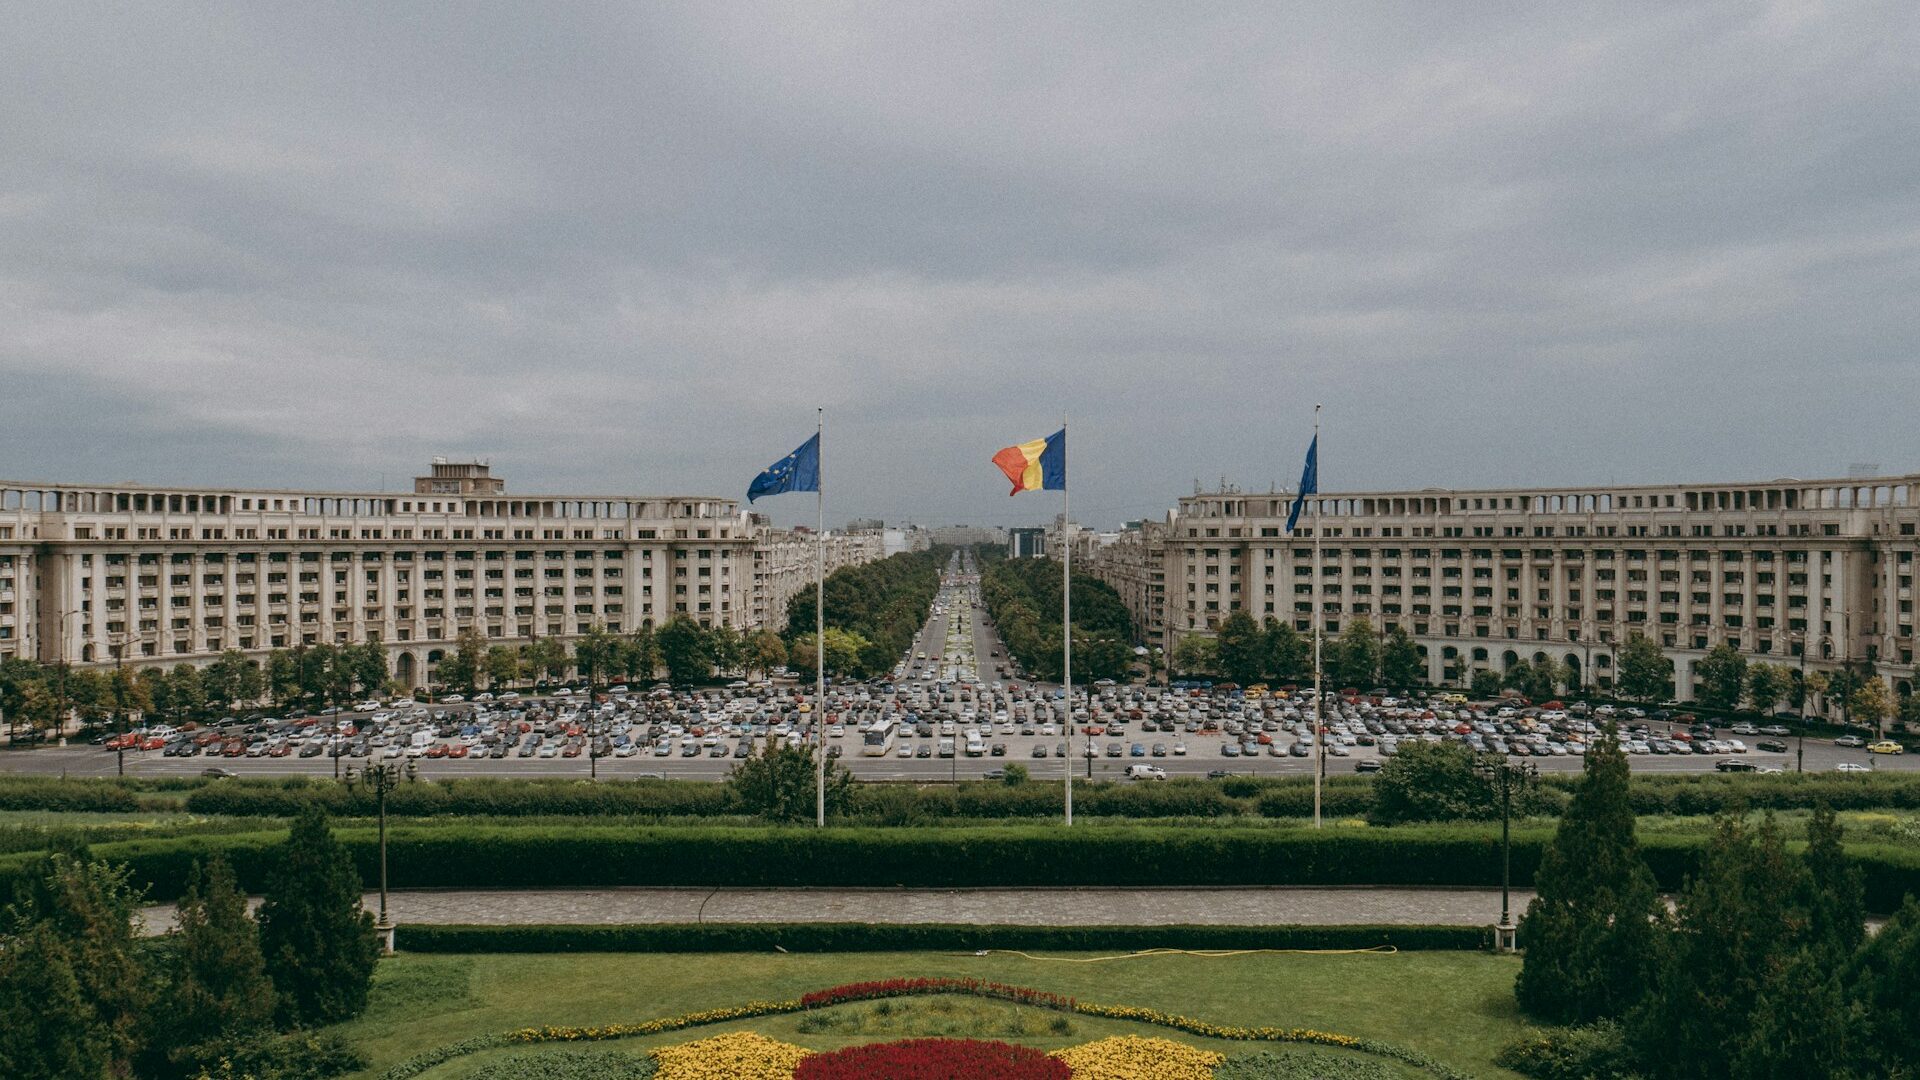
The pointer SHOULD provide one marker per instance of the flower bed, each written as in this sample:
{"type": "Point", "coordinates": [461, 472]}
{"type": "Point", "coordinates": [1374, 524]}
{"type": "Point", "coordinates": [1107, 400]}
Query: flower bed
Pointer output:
{"type": "Point", "coordinates": [889, 988]}
{"type": "Point", "coordinates": [886, 988]}
{"type": "Point", "coordinates": [738, 1055]}
{"type": "Point", "coordinates": [934, 1059]}
{"type": "Point", "coordinates": [1130, 1057]}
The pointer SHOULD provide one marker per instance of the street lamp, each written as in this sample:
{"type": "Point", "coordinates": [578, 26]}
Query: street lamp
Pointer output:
{"type": "Point", "coordinates": [381, 779]}
{"type": "Point", "coordinates": [1507, 774]}
{"type": "Point", "coordinates": [1800, 733]}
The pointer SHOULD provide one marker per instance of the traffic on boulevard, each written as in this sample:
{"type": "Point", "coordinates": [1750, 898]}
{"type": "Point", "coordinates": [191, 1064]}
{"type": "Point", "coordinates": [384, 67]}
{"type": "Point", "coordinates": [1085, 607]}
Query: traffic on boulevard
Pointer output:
{"type": "Point", "coordinates": [951, 709]}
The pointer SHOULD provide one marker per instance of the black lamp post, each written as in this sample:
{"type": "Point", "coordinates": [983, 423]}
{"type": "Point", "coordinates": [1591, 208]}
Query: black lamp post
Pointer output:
{"type": "Point", "coordinates": [381, 779]}
{"type": "Point", "coordinates": [1506, 775]}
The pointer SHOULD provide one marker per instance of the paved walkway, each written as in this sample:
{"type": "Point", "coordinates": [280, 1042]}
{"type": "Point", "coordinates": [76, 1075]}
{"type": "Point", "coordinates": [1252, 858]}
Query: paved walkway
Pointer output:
{"type": "Point", "coordinates": [1031, 907]}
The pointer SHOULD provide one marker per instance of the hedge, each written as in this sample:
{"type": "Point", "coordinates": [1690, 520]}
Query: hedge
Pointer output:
{"type": "Point", "coordinates": [467, 797]}
{"type": "Point", "coordinates": [63, 795]}
{"type": "Point", "coordinates": [943, 857]}
{"type": "Point", "coordinates": [916, 937]}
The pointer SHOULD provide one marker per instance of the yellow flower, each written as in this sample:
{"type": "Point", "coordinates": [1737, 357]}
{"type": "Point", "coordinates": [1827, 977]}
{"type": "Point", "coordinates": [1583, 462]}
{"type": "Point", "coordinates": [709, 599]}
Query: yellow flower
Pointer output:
{"type": "Point", "coordinates": [1130, 1057]}
{"type": "Point", "coordinates": [739, 1055]}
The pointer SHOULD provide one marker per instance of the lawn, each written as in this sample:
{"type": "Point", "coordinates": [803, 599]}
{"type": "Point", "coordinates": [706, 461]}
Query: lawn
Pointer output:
{"type": "Point", "coordinates": [1455, 1006]}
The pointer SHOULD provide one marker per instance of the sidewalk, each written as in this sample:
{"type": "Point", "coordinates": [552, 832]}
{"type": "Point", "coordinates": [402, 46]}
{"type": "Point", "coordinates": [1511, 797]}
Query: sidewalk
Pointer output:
{"type": "Point", "coordinates": [1029, 907]}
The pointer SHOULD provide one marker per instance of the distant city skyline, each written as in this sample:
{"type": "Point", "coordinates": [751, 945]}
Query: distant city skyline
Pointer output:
{"type": "Point", "coordinates": [632, 249]}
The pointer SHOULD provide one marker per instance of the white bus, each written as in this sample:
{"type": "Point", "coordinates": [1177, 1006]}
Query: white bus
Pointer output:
{"type": "Point", "coordinates": [878, 737]}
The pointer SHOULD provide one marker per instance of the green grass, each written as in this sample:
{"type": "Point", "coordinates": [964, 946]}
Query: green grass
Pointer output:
{"type": "Point", "coordinates": [1457, 1007]}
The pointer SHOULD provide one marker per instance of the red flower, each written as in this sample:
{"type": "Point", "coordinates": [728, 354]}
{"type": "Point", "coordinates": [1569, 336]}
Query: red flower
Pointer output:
{"type": "Point", "coordinates": [933, 1059]}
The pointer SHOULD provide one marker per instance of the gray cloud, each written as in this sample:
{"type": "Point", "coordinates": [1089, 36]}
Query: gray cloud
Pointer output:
{"type": "Point", "coordinates": [629, 248]}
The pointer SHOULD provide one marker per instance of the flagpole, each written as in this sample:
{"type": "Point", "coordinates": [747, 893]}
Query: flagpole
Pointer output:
{"type": "Point", "coordinates": [820, 630]}
{"type": "Point", "coordinates": [1066, 608]}
{"type": "Point", "coordinates": [1319, 701]}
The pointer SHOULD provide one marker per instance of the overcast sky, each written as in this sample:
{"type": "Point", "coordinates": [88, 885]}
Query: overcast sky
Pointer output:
{"type": "Point", "coordinates": [630, 248]}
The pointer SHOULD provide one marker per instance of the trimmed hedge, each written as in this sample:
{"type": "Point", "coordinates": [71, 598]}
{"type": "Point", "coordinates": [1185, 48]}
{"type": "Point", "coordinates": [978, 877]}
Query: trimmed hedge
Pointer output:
{"type": "Point", "coordinates": [468, 797]}
{"type": "Point", "coordinates": [941, 857]}
{"type": "Point", "coordinates": [63, 795]}
{"type": "Point", "coordinates": [917, 937]}
{"type": "Point", "coordinates": [1272, 797]}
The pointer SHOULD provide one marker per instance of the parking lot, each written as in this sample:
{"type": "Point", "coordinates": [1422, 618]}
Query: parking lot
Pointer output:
{"type": "Point", "coordinates": [951, 710]}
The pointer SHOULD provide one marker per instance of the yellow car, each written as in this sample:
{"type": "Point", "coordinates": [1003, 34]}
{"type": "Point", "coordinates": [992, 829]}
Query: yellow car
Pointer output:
{"type": "Point", "coordinates": [1886, 746]}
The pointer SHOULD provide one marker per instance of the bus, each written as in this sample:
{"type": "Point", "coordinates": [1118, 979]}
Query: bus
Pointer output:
{"type": "Point", "coordinates": [878, 737]}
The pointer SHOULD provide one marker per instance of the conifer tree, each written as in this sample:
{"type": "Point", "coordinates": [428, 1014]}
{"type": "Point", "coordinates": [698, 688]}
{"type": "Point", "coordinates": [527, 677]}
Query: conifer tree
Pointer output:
{"type": "Point", "coordinates": [1591, 932]}
{"type": "Point", "coordinates": [52, 1032]}
{"type": "Point", "coordinates": [89, 907]}
{"type": "Point", "coordinates": [216, 984]}
{"type": "Point", "coordinates": [318, 941]}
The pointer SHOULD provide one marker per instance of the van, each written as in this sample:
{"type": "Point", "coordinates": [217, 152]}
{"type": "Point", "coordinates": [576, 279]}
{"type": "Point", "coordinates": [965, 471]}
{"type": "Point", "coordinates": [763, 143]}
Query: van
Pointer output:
{"type": "Point", "coordinates": [1146, 772]}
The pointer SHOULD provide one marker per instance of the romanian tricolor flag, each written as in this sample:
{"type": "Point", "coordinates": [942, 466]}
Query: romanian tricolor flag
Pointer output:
{"type": "Point", "coordinates": [1040, 465]}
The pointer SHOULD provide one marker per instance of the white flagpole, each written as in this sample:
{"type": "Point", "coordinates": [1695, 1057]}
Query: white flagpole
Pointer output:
{"type": "Point", "coordinates": [820, 626]}
{"type": "Point", "coordinates": [1319, 701]}
{"type": "Point", "coordinates": [1066, 608]}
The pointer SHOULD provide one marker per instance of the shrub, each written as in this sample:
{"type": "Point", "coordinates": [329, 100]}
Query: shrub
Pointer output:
{"type": "Point", "coordinates": [934, 1059]}
{"type": "Point", "coordinates": [1300, 1065]}
{"type": "Point", "coordinates": [301, 1055]}
{"type": "Point", "coordinates": [568, 1065]}
{"type": "Point", "coordinates": [1598, 1052]}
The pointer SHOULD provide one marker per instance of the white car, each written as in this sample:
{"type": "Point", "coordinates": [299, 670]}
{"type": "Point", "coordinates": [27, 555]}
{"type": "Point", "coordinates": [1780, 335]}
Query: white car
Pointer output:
{"type": "Point", "coordinates": [1852, 766]}
{"type": "Point", "coordinates": [1179, 749]}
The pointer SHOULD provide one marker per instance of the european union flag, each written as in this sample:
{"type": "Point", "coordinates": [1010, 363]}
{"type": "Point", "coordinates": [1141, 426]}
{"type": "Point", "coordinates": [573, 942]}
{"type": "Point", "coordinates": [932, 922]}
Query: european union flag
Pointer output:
{"type": "Point", "coordinates": [1309, 482]}
{"type": "Point", "coordinates": [798, 471]}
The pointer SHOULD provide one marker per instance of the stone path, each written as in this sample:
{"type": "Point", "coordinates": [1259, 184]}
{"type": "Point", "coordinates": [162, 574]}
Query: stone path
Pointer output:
{"type": "Point", "coordinates": [1056, 907]}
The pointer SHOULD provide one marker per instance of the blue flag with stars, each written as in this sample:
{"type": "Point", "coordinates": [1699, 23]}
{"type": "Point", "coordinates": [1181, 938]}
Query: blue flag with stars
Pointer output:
{"type": "Point", "coordinates": [798, 471]}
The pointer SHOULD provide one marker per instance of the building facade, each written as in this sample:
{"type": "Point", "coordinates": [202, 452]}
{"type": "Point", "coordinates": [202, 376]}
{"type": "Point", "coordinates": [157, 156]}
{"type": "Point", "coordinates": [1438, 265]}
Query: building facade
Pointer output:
{"type": "Point", "coordinates": [1803, 573]}
{"type": "Point", "coordinates": [94, 574]}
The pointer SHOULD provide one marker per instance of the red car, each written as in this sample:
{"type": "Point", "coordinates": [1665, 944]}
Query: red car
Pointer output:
{"type": "Point", "coordinates": [457, 750]}
{"type": "Point", "coordinates": [234, 748]}
{"type": "Point", "coordinates": [437, 750]}
{"type": "Point", "coordinates": [281, 749]}
{"type": "Point", "coordinates": [154, 743]}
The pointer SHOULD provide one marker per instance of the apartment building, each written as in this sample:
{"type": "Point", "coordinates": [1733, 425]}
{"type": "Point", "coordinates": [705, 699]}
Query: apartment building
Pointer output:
{"type": "Point", "coordinates": [90, 574]}
{"type": "Point", "coordinates": [1812, 573]}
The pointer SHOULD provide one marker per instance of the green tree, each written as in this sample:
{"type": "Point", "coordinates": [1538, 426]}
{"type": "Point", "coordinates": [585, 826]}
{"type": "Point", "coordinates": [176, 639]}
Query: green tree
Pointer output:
{"type": "Point", "coordinates": [1870, 704]}
{"type": "Point", "coordinates": [1287, 652]}
{"type": "Point", "coordinates": [502, 666]}
{"type": "Point", "coordinates": [642, 657]}
{"type": "Point", "coordinates": [542, 659]}
{"type": "Point", "coordinates": [53, 1031]}
{"type": "Point", "coordinates": [1240, 649]}
{"type": "Point", "coordinates": [1737, 929]}
{"type": "Point", "coordinates": [1836, 901]}
{"type": "Point", "coordinates": [778, 783]}
{"type": "Point", "coordinates": [1401, 665]}
{"type": "Point", "coordinates": [127, 693]}
{"type": "Point", "coordinates": [1100, 656]}
{"type": "Point", "coordinates": [283, 677]}
{"type": "Point", "coordinates": [186, 694]}
{"type": "Point", "coordinates": [727, 648]}
{"type": "Point", "coordinates": [1486, 684]}
{"type": "Point", "coordinates": [222, 677]}
{"type": "Point", "coordinates": [1593, 927]}
{"type": "Point", "coordinates": [765, 651]}
{"type": "Point", "coordinates": [87, 908]}
{"type": "Point", "coordinates": [594, 654]}
{"type": "Point", "coordinates": [1722, 675]}
{"type": "Point", "coordinates": [214, 980]}
{"type": "Point", "coordinates": [844, 652]}
{"type": "Point", "coordinates": [366, 667]}
{"type": "Point", "coordinates": [1645, 671]}
{"type": "Point", "coordinates": [1910, 712]}
{"type": "Point", "coordinates": [320, 945]}
{"type": "Point", "coordinates": [1881, 982]}
{"type": "Point", "coordinates": [1196, 654]}
{"type": "Point", "coordinates": [1356, 655]}
{"type": "Point", "coordinates": [461, 668]}
{"type": "Point", "coordinates": [1538, 679]}
{"type": "Point", "coordinates": [1766, 685]}
{"type": "Point", "coordinates": [1432, 781]}
{"type": "Point", "coordinates": [683, 648]}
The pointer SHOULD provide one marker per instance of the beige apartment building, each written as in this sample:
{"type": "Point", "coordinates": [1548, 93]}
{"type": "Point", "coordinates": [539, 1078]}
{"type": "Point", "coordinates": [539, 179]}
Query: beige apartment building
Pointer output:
{"type": "Point", "coordinates": [91, 574]}
{"type": "Point", "coordinates": [1487, 579]}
